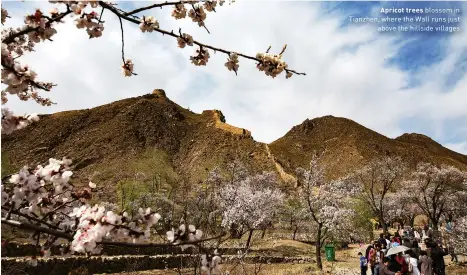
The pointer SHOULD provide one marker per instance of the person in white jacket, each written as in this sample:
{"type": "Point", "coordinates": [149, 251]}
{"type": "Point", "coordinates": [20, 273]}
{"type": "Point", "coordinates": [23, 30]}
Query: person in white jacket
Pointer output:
{"type": "Point", "coordinates": [417, 236]}
{"type": "Point", "coordinates": [412, 262]}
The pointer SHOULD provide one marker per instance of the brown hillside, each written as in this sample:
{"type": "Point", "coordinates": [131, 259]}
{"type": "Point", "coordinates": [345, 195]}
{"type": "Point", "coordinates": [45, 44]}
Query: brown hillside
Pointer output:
{"type": "Point", "coordinates": [152, 135]}
{"type": "Point", "coordinates": [350, 145]}
{"type": "Point", "coordinates": [148, 134]}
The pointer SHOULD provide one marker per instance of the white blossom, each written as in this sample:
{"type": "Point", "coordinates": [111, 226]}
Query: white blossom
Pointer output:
{"type": "Point", "coordinates": [185, 39]}
{"type": "Point", "coordinates": [377, 179]}
{"type": "Point", "coordinates": [250, 202]}
{"type": "Point", "coordinates": [202, 57]}
{"type": "Point", "coordinates": [232, 62]}
{"type": "Point", "coordinates": [457, 238]}
{"type": "Point", "coordinates": [127, 68]}
{"type": "Point", "coordinates": [45, 192]}
{"type": "Point", "coordinates": [179, 11]}
{"type": "Point", "coordinates": [437, 190]}
{"type": "Point", "coordinates": [148, 24]}
{"type": "Point", "coordinates": [12, 123]}
{"type": "Point", "coordinates": [271, 64]}
{"type": "Point", "coordinates": [183, 234]}
{"type": "Point", "coordinates": [198, 15]}
{"type": "Point", "coordinates": [328, 203]}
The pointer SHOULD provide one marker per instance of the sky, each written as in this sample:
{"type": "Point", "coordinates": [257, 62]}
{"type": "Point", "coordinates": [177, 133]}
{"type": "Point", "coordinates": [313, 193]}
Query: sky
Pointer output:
{"type": "Point", "coordinates": [393, 82]}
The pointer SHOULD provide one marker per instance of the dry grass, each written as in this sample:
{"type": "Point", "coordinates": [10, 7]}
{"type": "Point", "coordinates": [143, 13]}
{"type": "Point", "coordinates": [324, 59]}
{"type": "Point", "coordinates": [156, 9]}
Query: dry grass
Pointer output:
{"type": "Point", "coordinates": [272, 269]}
{"type": "Point", "coordinates": [346, 260]}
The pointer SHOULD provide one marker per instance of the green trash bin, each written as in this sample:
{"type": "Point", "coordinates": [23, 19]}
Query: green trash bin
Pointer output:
{"type": "Point", "coordinates": [330, 253]}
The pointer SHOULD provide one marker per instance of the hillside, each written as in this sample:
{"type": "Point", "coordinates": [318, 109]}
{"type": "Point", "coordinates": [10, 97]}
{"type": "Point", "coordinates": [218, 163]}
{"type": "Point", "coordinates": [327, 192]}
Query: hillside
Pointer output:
{"type": "Point", "coordinates": [349, 145]}
{"type": "Point", "coordinates": [156, 138]}
{"type": "Point", "coordinates": [149, 134]}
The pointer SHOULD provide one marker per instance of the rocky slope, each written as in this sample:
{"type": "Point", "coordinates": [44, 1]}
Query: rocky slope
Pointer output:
{"type": "Point", "coordinates": [148, 134]}
{"type": "Point", "coordinates": [348, 145]}
{"type": "Point", "coordinates": [153, 136]}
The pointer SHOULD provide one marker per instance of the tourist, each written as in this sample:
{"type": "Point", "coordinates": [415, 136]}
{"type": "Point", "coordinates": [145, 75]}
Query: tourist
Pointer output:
{"type": "Point", "coordinates": [404, 266]}
{"type": "Point", "coordinates": [452, 253]}
{"type": "Point", "coordinates": [388, 240]}
{"type": "Point", "coordinates": [363, 263]}
{"type": "Point", "coordinates": [417, 236]}
{"type": "Point", "coordinates": [426, 264]}
{"type": "Point", "coordinates": [412, 263]}
{"type": "Point", "coordinates": [372, 257]}
{"type": "Point", "coordinates": [384, 248]}
{"type": "Point", "coordinates": [394, 242]}
{"type": "Point", "coordinates": [416, 249]}
{"type": "Point", "coordinates": [437, 253]}
{"type": "Point", "coordinates": [375, 257]}
{"type": "Point", "coordinates": [393, 265]}
{"type": "Point", "coordinates": [384, 270]}
{"type": "Point", "coordinates": [382, 240]}
{"type": "Point", "coordinates": [407, 243]}
{"type": "Point", "coordinates": [397, 238]}
{"type": "Point", "coordinates": [449, 226]}
{"type": "Point", "coordinates": [368, 252]}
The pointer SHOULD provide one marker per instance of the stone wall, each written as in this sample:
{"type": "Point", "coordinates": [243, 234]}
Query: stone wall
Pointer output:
{"type": "Point", "coordinates": [218, 121]}
{"type": "Point", "coordinates": [94, 264]}
{"type": "Point", "coordinates": [114, 264]}
{"type": "Point", "coordinates": [13, 249]}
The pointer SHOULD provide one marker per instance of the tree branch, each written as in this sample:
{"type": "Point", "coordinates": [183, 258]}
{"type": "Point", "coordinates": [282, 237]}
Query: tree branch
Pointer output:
{"type": "Point", "coordinates": [31, 82]}
{"type": "Point", "coordinates": [125, 244]}
{"type": "Point", "coordinates": [31, 218]}
{"type": "Point", "coordinates": [172, 34]}
{"type": "Point", "coordinates": [58, 208]}
{"type": "Point", "coordinates": [33, 227]}
{"type": "Point", "coordinates": [37, 228]}
{"type": "Point", "coordinates": [159, 5]}
{"type": "Point", "coordinates": [123, 40]}
{"type": "Point", "coordinates": [11, 38]}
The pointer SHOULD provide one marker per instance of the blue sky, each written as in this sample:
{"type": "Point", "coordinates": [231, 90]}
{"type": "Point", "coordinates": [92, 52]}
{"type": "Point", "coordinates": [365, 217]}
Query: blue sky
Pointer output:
{"type": "Point", "coordinates": [390, 82]}
{"type": "Point", "coordinates": [423, 50]}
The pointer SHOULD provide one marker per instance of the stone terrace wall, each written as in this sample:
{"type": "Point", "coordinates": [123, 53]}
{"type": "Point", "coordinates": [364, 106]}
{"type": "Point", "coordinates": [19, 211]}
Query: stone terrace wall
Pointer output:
{"type": "Point", "coordinates": [114, 264]}
{"type": "Point", "coordinates": [22, 250]}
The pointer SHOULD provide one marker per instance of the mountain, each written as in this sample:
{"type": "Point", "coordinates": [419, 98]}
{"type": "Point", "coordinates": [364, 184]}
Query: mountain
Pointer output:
{"type": "Point", "coordinates": [349, 145]}
{"type": "Point", "coordinates": [148, 134]}
{"type": "Point", "coordinates": [153, 137]}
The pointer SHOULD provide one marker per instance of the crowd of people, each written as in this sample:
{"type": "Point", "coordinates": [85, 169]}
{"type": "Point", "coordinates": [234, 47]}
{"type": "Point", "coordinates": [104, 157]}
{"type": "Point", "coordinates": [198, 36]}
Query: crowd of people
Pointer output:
{"type": "Point", "coordinates": [401, 254]}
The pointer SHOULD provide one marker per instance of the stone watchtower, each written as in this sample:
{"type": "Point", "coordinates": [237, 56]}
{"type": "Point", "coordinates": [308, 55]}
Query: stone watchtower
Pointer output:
{"type": "Point", "coordinates": [159, 93]}
{"type": "Point", "coordinates": [217, 119]}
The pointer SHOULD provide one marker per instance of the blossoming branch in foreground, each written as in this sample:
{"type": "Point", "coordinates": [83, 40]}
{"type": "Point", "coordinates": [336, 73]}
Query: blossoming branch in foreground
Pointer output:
{"type": "Point", "coordinates": [12, 123]}
{"type": "Point", "coordinates": [39, 27]}
{"type": "Point", "coordinates": [45, 194]}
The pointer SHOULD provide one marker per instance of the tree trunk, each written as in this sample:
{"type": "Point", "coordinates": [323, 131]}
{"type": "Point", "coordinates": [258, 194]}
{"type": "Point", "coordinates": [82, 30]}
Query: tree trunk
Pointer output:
{"type": "Point", "coordinates": [318, 247]}
{"type": "Point", "coordinates": [123, 198]}
{"type": "Point", "coordinates": [263, 234]}
{"type": "Point", "coordinates": [434, 224]}
{"type": "Point", "coordinates": [249, 239]}
{"type": "Point", "coordinates": [412, 221]}
{"type": "Point", "coordinates": [382, 223]}
{"type": "Point", "coordinates": [295, 233]}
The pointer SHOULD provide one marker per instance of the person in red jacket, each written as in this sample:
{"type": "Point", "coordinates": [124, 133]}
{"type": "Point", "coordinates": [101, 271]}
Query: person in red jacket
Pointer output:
{"type": "Point", "coordinates": [397, 238]}
{"type": "Point", "coordinates": [404, 266]}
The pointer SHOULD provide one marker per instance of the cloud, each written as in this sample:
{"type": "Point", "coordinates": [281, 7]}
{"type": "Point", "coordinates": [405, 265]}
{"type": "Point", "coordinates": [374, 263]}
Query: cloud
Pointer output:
{"type": "Point", "coordinates": [352, 70]}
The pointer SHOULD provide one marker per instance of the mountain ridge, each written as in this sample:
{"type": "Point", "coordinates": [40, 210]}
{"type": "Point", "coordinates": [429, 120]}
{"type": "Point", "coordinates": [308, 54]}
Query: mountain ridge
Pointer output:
{"type": "Point", "coordinates": [152, 135]}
